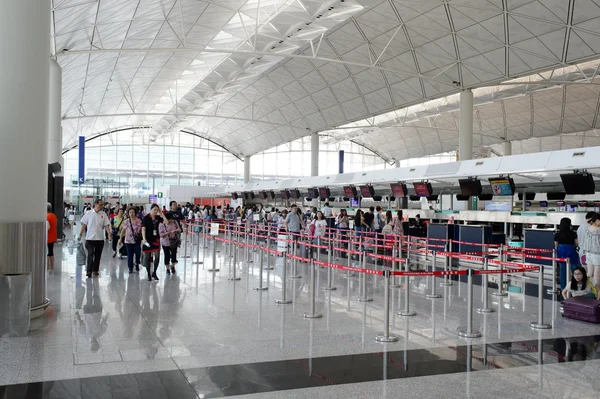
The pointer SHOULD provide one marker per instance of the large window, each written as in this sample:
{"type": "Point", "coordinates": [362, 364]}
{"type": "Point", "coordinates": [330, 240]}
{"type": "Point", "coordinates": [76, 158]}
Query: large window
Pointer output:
{"type": "Point", "coordinates": [126, 163]}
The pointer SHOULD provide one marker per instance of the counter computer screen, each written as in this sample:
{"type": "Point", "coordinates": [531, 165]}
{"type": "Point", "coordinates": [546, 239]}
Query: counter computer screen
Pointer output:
{"type": "Point", "coordinates": [502, 186]}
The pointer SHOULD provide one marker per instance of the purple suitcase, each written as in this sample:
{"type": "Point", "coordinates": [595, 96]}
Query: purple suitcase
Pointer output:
{"type": "Point", "coordinates": [584, 309]}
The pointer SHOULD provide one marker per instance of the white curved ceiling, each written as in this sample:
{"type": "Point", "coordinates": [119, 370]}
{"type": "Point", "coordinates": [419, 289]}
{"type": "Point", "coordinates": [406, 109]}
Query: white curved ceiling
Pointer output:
{"type": "Point", "coordinates": [311, 65]}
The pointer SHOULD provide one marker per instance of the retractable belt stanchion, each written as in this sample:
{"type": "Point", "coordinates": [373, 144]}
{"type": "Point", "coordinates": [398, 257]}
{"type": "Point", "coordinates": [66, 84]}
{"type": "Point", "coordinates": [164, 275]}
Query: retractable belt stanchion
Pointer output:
{"type": "Point", "coordinates": [554, 290]}
{"type": "Point", "coordinates": [267, 250]}
{"type": "Point", "coordinates": [568, 266]}
{"type": "Point", "coordinates": [294, 262]}
{"type": "Point", "coordinates": [408, 253]}
{"type": "Point", "coordinates": [283, 300]}
{"type": "Point", "coordinates": [214, 256]}
{"type": "Point", "coordinates": [485, 308]}
{"type": "Point", "coordinates": [260, 273]}
{"type": "Point", "coordinates": [407, 312]}
{"type": "Point", "coordinates": [233, 274]}
{"type": "Point", "coordinates": [198, 261]}
{"type": "Point", "coordinates": [249, 256]}
{"type": "Point", "coordinates": [363, 297]}
{"type": "Point", "coordinates": [254, 239]}
{"type": "Point", "coordinates": [185, 242]}
{"type": "Point", "coordinates": [313, 312]}
{"type": "Point", "coordinates": [433, 295]}
{"type": "Point", "coordinates": [203, 228]}
{"type": "Point", "coordinates": [386, 336]}
{"type": "Point", "coordinates": [329, 271]}
{"type": "Point", "coordinates": [468, 332]}
{"type": "Point", "coordinates": [395, 266]}
{"type": "Point", "coordinates": [349, 259]}
{"type": "Point", "coordinates": [539, 324]}
{"type": "Point", "coordinates": [447, 262]}
{"type": "Point", "coordinates": [500, 291]}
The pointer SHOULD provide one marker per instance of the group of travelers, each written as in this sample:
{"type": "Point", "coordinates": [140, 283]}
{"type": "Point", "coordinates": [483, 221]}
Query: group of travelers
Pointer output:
{"type": "Point", "coordinates": [582, 248]}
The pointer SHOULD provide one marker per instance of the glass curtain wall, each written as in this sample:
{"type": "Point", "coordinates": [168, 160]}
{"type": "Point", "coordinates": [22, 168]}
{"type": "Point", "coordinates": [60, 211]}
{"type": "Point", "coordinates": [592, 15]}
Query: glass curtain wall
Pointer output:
{"type": "Point", "coordinates": [127, 164]}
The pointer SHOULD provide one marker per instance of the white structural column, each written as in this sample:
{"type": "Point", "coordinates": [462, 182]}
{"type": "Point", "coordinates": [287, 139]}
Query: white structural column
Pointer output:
{"type": "Point", "coordinates": [314, 154]}
{"type": "Point", "coordinates": [397, 164]}
{"type": "Point", "coordinates": [247, 169]}
{"type": "Point", "coordinates": [465, 128]}
{"type": "Point", "coordinates": [507, 148]}
{"type": "Point", "coordinates": [24, 94]}
{"type": "Point", "coordinates": [54, 116]}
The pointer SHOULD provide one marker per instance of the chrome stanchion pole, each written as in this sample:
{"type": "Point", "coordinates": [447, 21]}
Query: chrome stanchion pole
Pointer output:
{"type": "Point", "coordinates": [260, 274]}
{"type": "Point", "coordinates": [407, 312]}
{"type": "Point", "coordinates": [364, 297]}
{"type": "Point", "coordinates": [254, 239]}
{"type": "Point", "coordinates": [267, 249]}
{"type": "Point", "coordinates": [484, 276]}
{"type": "Point", "coordinates": [329, 271]}
{"type": "Point", "coordinates": [500, 291]}
{"type": "Point", "coordinates": [539, 324]}
{"type": "Point", "coordinates": [294, 262]}
{"type": "Point", "coordinates": [214, 256]}
{"type": "Point", "coordinates": [554, 290]}
{"type": "Point", "coordinates": [408, 253]}
{"type": "Point", "coordinates": [568, 266]}
{"type": "Point", "coordinates": [313, 313]}
{"type": "Point", "coordinates": [349, 259]}
{"type": "Point", "coordinates": [234, 276]}
{"type": "Point", "coordinates": [469, 332]}
{"type": "Point", "coordinates": [395, 266]}
{"type": "Point", "coordinates": [198, 261]}
{"type": "Point", "coordinates": [386, 336]}
{"type": "Point", "coordinates": [433, 295]}
{"type": "Point", "coordinates": [283, 300]}
{"type": "Point", "coordinates": [447, 260]}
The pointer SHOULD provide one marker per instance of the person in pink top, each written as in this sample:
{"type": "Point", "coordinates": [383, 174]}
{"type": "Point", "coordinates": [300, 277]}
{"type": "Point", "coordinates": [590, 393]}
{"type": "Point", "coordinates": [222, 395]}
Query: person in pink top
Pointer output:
{"type": "Point", "coordinates": [169, 240]}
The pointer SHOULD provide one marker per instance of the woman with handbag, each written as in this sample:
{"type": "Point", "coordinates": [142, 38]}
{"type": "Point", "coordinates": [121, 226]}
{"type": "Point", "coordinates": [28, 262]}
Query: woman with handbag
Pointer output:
{"type": "Point", "coordinates": [131, 234]}
{"type": "Point", "coordinates": [169, 240]}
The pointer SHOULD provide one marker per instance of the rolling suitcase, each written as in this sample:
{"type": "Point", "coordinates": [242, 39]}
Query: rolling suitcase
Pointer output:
{"type": "Point", "coordinates": [584, 309]}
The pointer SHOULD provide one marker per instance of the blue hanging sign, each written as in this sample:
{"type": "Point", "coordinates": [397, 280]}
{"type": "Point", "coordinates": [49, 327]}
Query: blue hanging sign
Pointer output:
{"type": "Point", "coordinates": [81, 160]}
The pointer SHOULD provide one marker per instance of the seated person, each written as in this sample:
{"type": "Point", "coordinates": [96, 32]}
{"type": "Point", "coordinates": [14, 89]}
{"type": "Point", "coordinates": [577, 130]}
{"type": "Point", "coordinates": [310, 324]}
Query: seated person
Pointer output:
{"type": "Point", "coordinates": [580, 285]}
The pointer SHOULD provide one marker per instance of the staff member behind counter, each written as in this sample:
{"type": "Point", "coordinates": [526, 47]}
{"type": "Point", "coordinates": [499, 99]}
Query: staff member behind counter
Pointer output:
{"type": "Point", "coordinates": [418, 223]}
{"type": "Point", "coordinates": [566, 244]}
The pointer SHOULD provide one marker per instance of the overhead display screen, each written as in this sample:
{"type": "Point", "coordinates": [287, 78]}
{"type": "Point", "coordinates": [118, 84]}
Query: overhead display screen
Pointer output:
{"type": "Point", "coordinates": [470, 188]}
{"type": "Point", "coordinates": [350, 192]}
{"type": "Point", "coordinates": [285, 194]}
{"type": "Point", "coordinates": [324, 192]}
{"type": "Point", "coordinates": [313, 193]}
{"type": "Point", "coordinates": [399, 190]}
{"type": "Point", "coordinates": [294, 193]}
{"type": "Point", "coordinates": [502, 186]}
{"type": "Point", "coordinates": [423, 189]}
{"type": "Point", "coordinates": [578, 183]}
{"type": "Point", "coordinates": [367, 191]}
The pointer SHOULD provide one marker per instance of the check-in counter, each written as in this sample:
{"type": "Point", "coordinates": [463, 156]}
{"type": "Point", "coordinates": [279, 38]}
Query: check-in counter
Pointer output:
{"type": "Point", "coordinates": [436, 232]}
{"type": "Point", "coordinates": [475, 236]}
{"type": "Point", "coordinates": [539, 239]}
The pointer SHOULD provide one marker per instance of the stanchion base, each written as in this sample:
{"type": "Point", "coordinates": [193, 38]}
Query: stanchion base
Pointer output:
{"type": "Point", "coordinates": [250, 261]}
{"type": "Point", "coordinates": [537, 326]}
{"type": "Point", "coordinates": [497, 293]}
{"type": "Point", "coordinates": [383, 338]}
{"type": "Point", "coordinates": [364, 299]}
{"type": "Point", "coordinates": [329, 288]}
{"type": "Point", "coordinates": [197, 263]}
{"type": "Point", "coordinates": [234, 278]}
{"type": "Point", "coordinates": [469, 334]}
{"type": "Point", "coordinates": [312, 316]}
{"type": "Point", "coordinates": [448, 284]}
{"type": "Point", "coordinates": [552, 292]}
{"type": "Point", "coordinates": [407, 314]}
{"type": "Point", "coordinates": [269, 268]}
{"type": "Point", "coordinates": [435, 296]}
{"type": "Point", "coordinates": [485, 310]}
{"type": "Point", "coordinates": [294, 277]}
{"type": "Point", "coordinates": [186, 256]}
{"type": "Point", "coordinates": [260, 288]}
{"type": "Point", "coordinates": [396, 286]}
{"type": "Point", "coordinates": [282, 302]}
{"type": "Point", "coordinates": [349, 275]}
{"type": "Point", "coordinates": [213, 270]}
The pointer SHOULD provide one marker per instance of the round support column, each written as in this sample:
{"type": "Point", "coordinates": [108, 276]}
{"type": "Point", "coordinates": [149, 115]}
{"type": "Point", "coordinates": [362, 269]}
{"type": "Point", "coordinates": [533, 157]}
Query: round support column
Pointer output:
{"type": "Point", "coordinates": [507, 148]}
{"type": "Point", "coordinates": [465, 128]}
{"type": "Point", "coordinates": [247, 169]}
{"type": "Point", "coordinates": [24, 94]}
{"type": "Point", "coordinates": [314, 154]}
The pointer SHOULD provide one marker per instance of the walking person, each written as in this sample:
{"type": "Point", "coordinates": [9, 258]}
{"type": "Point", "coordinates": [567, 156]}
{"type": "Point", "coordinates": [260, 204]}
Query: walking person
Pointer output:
{"type": "Point", "coordinates": [592, 248]}
{"type": "Point", "coordinates": [151, 241]}
{"type": "Point", "coordinates": [565, 242]}
{"type": "Point", "coordinates": [51, 224]}
{"type": "Point", "coordinates": [168, 231]}
{"type": "Point", "coordinates": [117, 227]}
{"type": "Point", "coordinates": [131, 234]}
{"type": "Point", "coordinates": [95, 224]}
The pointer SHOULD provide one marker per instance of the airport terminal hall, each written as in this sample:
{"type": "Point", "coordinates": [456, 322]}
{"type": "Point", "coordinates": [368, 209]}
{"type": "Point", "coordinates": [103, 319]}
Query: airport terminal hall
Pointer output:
{"type": "Point", "coordinates": [300, 199]}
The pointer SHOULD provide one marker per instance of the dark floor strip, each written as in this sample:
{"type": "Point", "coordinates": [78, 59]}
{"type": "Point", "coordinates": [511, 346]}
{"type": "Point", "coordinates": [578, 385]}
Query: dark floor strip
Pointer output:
{"type": "Point", "coordinates": [239, 379]}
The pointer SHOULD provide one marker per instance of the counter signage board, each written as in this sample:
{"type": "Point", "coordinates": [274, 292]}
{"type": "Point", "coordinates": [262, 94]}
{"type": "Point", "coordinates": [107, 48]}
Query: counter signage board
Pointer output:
{"type": "Point", "coordinates": [498, 206]}
{"type": "Point", "coordinates": [214, 229]}
{"type": "Point", "coordinates": [153, 199]}
{"type": "Point", "coordinates": [282, 244]}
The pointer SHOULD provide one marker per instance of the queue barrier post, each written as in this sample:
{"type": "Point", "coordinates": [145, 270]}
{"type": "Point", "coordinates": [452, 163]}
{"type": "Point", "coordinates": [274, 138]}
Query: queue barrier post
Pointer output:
{"type": "Point", "coordinates": [260, 273]}
{"type": "Point", "coordinates": [539, 324]}
{"type": "Point", "coordinates": [313, 312]}
{"type": "Point", "coordinates": [485, 308]}
{"type": "Point", "coordinates": [248, 258]}
{"type": "Point", "coordinates": [433, 294]}
{"type": "Point", "coordinates": [408, 252]}
{"type": "Point", "coordinates": [469, 332]}
{"type": "Point", "coordinates": [294, 262]}
{"type": "Point", "coordinates": [283, 300]}
{"type": "Point", "coordinates": [447, 262]}
{"type": "Point", "coordinates": [233, 264]}
{"type": "Point", "coordinates": [214, 256]}
{"type": "Point", "coordinates": [501, 291]}
{"type": "Point", "coordinates": [349, 259]}
{"type": "Point", "coordinates": [407, 312]}
{"type": "Point", "coordinates": [554, 290]}
{"type": "Point", "coordinates": [204, 240]}
{"type": "Point", "coordinates": [198, 261]}
{"type": "Point", "coordinates": [363, 297]}
{"type": "Point", "coordinates": [329, 286]}
{"type": "Point", "coordinates": [254, 239]}
{"type": "Point", "coordinates": [185, 243]}
{"type": "Point", "coordinates": [386, 336]}
{"type": "Point", "coordinates": [568, 266]}
{"type": "Point", "coordinates": [396, 265]}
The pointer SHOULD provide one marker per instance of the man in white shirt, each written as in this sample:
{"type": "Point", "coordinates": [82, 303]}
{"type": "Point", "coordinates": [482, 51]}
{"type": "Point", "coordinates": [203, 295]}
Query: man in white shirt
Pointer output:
{"type": "Point", "coordinates": [581, 236]}
{"type": "Point", "coordinates": [94, 223]}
